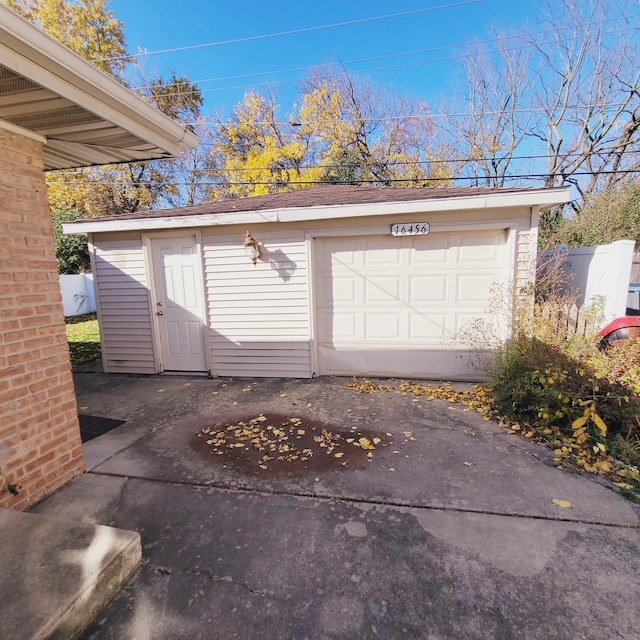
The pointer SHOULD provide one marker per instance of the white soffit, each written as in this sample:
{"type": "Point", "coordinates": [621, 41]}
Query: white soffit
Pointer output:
{"type": "Point", "coordinates": [540, 199]}
{"type": "Point", "coordinates": [85, 115]}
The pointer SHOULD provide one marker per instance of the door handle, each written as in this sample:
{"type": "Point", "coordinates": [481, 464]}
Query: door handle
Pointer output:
{"type": "Point", "coordinates": [159, 313]}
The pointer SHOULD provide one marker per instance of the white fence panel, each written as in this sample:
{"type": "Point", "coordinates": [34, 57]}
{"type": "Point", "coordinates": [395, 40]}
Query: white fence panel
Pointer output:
{"type": "Point", "coordinates": [77, 294]}
{"type": "Point", "coordinates": [599, 276]}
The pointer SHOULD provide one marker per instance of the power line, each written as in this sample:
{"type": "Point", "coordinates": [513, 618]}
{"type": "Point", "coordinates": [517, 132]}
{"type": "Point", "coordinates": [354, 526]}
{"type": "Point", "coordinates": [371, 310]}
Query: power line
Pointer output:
{"type": "Point", "coordinates": [292, 31]}
{"type": "Point", "coordinates": [422, 62]}
{"type": "Point", "coordinates": [517, 36]}
{"type": "Point", "coordinates": [397, 163]}
{"type": "Point", "coordinates": [402, 163]}
{"type": "Point", "coordinates": [527, 176]}
{"type": "Point", "coordinates": [426, 116]}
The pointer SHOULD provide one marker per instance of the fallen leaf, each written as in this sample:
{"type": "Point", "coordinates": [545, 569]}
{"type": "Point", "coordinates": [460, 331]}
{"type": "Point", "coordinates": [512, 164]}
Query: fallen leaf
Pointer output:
{"type": "Point", "coordinates": [160, 390]}
{"type": "Point", "coordinates": [309, 404]}
{"type": "Point", "coordinates": [338, 455]}
{"type": "Point", "coordinates": [376, 441]}
{"type": "Point", "coordinates": [84, 407]}
{"type": "Point", "coordinates": [392, 468]}
{"type": "Point", "coordinates": [563, 504]}
{"type": "Point", "coordinates": [283, 395]}
{"type": "Point", "coordinates": [365, 443]}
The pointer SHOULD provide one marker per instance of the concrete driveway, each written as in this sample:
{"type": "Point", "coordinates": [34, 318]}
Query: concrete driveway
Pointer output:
{"type": "Point", "coordinates": [448, 530]}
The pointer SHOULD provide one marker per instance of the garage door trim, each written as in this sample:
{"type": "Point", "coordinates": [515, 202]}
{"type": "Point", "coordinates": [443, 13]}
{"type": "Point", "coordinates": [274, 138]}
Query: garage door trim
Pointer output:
{"type": "Point", "coordinates": [510, 227]}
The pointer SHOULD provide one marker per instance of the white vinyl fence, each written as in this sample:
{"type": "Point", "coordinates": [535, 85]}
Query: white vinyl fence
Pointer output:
{"type": "Point", "coordinates": [598, 276]}
{"type": "Point", "coordinates": [77, 294]}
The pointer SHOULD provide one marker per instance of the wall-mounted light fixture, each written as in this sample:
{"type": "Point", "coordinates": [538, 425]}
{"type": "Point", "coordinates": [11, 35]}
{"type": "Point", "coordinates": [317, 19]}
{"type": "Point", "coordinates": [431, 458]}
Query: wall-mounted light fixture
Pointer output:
{"type": "Point", "coordinates": [252, 247]}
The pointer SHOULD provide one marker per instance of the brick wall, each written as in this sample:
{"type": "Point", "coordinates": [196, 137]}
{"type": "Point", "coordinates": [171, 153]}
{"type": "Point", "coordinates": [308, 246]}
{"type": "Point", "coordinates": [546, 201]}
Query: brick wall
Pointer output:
{"type": "Point", "coordinates": [40, 445]}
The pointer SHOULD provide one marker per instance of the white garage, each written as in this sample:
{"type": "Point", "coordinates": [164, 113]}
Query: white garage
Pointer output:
{"type": "Point", "coordinates": [381, 281]}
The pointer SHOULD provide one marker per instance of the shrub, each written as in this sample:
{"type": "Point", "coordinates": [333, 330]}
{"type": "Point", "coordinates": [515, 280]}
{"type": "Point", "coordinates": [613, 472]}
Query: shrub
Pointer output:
{"type": "Point", "coordinates": [546, 385]}
{"type": "Point", "coordinates": [72, 251]}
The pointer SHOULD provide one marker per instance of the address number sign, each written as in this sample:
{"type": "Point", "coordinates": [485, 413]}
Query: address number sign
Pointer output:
{"type": "Point", "coordinates": [410, 229]}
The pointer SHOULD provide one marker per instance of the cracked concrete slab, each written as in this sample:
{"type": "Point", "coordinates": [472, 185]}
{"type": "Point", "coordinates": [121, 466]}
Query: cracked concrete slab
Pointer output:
{"type": "Point", "coordinates": [233, 564]}
{"type": "Point", "coordinates": [456, 461]}
{"type": "Point", "coordinates": [460, 540]}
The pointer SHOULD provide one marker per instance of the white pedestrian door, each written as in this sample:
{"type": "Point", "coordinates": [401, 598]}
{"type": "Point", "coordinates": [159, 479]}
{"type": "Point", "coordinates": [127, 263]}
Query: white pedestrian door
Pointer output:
{"type": "Point", "coordinates": [179, 303]}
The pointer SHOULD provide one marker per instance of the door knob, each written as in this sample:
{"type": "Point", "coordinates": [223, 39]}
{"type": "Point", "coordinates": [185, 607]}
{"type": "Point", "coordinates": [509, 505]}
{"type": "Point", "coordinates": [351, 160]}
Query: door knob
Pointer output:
{"type": "Point", "coordinates": [160, 313]}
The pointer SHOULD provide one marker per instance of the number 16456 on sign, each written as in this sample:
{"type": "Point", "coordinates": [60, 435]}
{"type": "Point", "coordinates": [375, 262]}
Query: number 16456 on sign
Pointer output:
{"type": "Point", "coordinates": [410, 229]}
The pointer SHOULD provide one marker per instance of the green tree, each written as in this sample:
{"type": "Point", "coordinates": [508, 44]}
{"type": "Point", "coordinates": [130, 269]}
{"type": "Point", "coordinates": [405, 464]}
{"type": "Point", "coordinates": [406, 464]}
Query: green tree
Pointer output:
{"type": "Point", "coordinates": [604, 218]}
{"type": "Point", "coordinates": [72, 251]}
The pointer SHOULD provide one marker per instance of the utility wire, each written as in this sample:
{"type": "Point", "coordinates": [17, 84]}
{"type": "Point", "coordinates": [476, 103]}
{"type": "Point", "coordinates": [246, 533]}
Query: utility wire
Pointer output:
{"type": "Point", "coordinates": [400, 163]}
{"type": "Point", "coordinates": [415, 116]}
{"type": "Point", "coordinates": [397, 163]}
{"type": "Point", "coordinates": [526, 176]}
{"type": "Point", "coordinates": [517, 36]}
{"type": "Point", "coordinates": [291, 31]}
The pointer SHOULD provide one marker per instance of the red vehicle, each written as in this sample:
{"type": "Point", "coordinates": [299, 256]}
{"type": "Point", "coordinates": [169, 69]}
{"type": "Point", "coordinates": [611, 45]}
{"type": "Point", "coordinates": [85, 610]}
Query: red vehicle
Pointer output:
{"type": "Point", "coordinates": [622, 328]}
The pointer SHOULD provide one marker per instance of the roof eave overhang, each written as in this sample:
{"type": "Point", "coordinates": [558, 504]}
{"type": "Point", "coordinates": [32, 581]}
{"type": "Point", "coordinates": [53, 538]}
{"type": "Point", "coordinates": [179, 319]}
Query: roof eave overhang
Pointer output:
{"type": "Point", "coordinates": [541, 199]}
{"type": "Point", "coordinates": [32, 54]}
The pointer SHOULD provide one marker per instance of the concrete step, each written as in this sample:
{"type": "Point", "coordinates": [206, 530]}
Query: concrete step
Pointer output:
{"type": "Point", "coordinates": [56, 574]}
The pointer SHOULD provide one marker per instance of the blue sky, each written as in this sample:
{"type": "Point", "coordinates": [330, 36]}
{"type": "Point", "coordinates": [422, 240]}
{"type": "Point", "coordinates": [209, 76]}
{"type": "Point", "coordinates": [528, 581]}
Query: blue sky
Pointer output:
{"type": "Point", "coordinates": [388, 48]}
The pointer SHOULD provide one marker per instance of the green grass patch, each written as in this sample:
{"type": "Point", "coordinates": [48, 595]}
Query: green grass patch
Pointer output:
{"type": "Point", "coordinates": [83, 336]}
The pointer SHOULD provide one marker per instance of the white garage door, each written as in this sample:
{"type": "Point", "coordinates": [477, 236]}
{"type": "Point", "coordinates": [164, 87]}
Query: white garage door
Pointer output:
{"type": "Point", "coordinates": [391, 306]}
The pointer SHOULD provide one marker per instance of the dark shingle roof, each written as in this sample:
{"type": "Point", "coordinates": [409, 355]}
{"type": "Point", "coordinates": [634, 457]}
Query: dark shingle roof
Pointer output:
{"type": "Point", "coordinates": [327, 195]}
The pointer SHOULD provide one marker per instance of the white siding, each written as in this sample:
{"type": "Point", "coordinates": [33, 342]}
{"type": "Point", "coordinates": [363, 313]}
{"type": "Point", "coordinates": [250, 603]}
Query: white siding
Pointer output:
{"type": "Point", "coordinates": [258, 315]}
{"type": "Point", "coordinates": [124, 310]}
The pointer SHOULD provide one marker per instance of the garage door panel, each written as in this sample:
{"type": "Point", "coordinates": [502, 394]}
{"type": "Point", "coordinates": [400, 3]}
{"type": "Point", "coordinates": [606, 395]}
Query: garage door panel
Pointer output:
{"type": "Point", "coordinates": [430, 249]}
{"type": "Point", "coordinates": [381, 289]}
{"type": "Point", "coordinates": [428, 288]}
{"type": "Point", "coordinates": [434, 363]}
{"type": "Point", "coordinates": [471, 326]}
{"type": "Point", "coordinates": [474, 288]}
{"type": "Point", "coordinates": [427, 328]}
{"type": "Point", "coordinates": [382, 326]}
{"type": "Point", "coordinates": [342, 289]}
{"type": "Point", "coordinates": [341, 326]}
{"type": "Point", "coordinates": [381, 253]}
{"type": "Point", "coordinates": [480, 247]}
{"type": "Point", "coordinates": [341, 251]}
